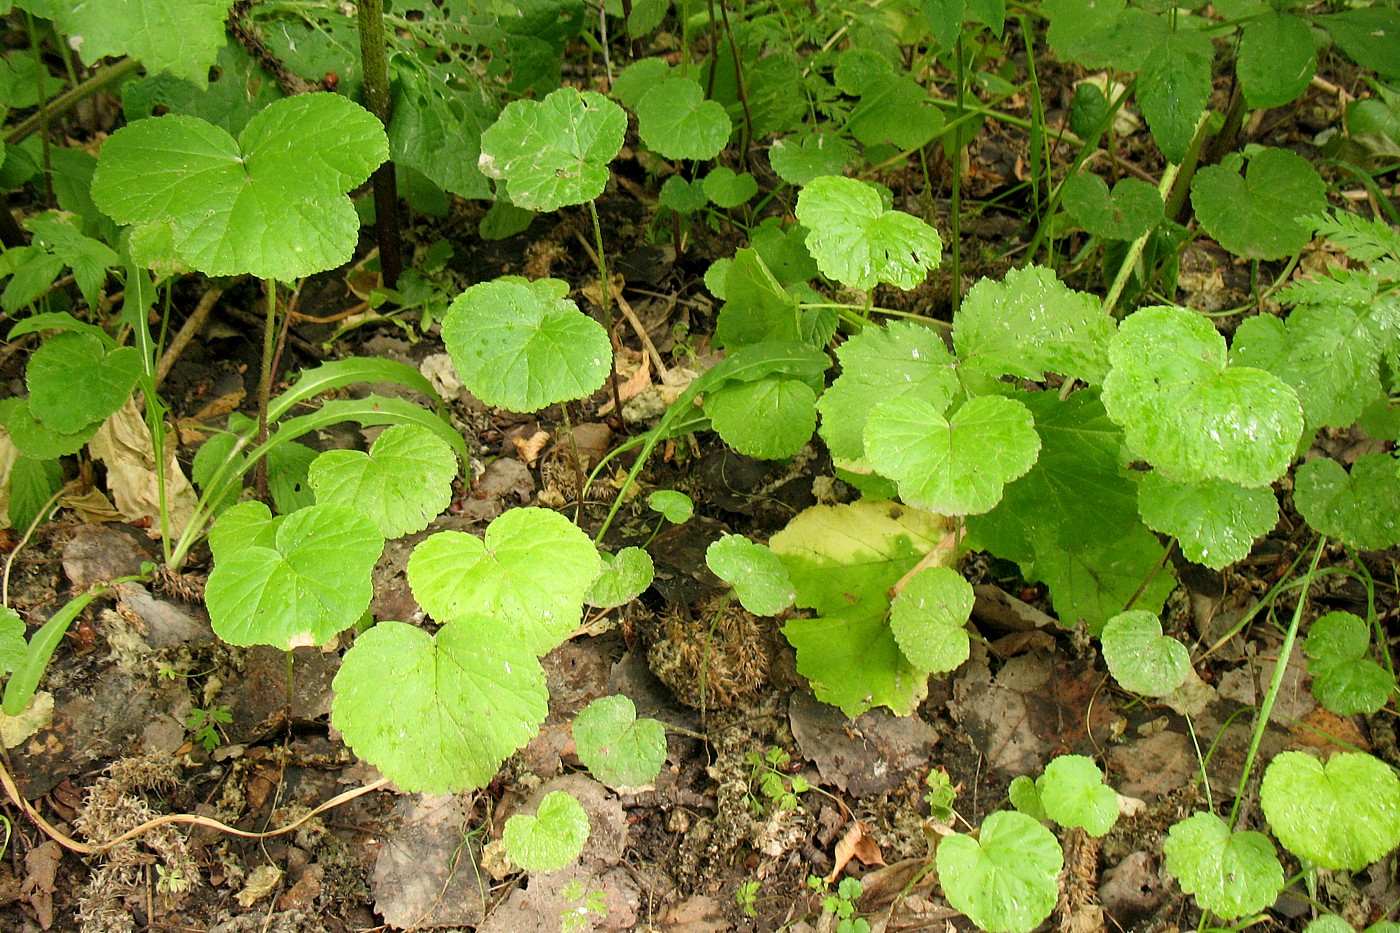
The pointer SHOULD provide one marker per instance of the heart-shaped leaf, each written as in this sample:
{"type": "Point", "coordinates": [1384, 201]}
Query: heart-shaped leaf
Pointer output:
{"type": "Point", "coordinates": [1187, 412]}
{"type": "Point", "coordinates": [554, 152]}
{"type": "Point", "coordinates": [1254, 216]}
{"type": "Point", "coordinates": [1004, 880]}
{"type": "Point", "coordinates": [859, 243]}
{"type": "Point", "coordinates": [676, 507]}
{"type": "Point", "coordinates": [620, 749]}
{"type": "Point", "coordinates": [1215, 522]}
{"type": "Point", "coordinates": [1231, 874]}
{"type": "Point", "coordinates": [727, 188]}
{"type": "Point", "coordinates": [1030, 324]}
{"type": "Point", "coordinates": [293, 581]}
{"type": "Point", "coordinates": [271, 204]}
{"type": "Point", "coordinates": [899, 360]}
{"type": "Point", "coordinates": [766, 418]}
{"type": "Point", "coordinates": [1140, 657]}
{"type": "Point", "coordinates": [1302, 799]}
{"type": "Point", "coordinates": [675, 120]}
{"type": "Point", "coordinates": [800, 159]}
{"type": "Point", "coordinates": [1073, 793]}
{"type": "Point", "coordinates": [954, 466]}
{"type": "Point", "coordinates": [1130, 210]}
{"type": "Point", "coordinates": [1346, 679]}
{"type": "Point", "coordinates": [403, 483]}
{"type": "Point", "coordinates": [530, 574]}
{"type": "Point", "coordinates": [182, 37]}
{"type": "Point", "coordinates": [550, 839]}
{"type": "Point", "coordinates": [757, 575]}
{"type": "Point", "coordinates": [523, 345]}
{"type": "Point", "coordinates": [625, 575]}
{"type": "Point", "coordinates": [1361, 508]}
{"type": "Point", "coordinates": [75, 380]}
{"type": "Point", "coordinates": [438, 713]}
{"type": "Point", "coordinates": [928, 618]}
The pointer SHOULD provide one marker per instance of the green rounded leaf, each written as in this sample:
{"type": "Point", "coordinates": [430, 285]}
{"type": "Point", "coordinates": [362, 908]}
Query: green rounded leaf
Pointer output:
{"type": "Point", "coordinates": [1231, 874]}
{"type": "Point", "coordinates": [1277, 59]}
{"type": "Point", "coordinates": [293, 581]}
{"type": "Point", "coordinates": [767, 418]}
{"type": "Point", "coordinates": [1031, 323]}
{"type": "Point", "coordinates": [75, 381]}
{"type": "Point", "coordinates": [1327, 353]}
{"type": "Point", "coordinates": [957, 466]}
{"type": "Point", "coordinates": [523, 345]}
{"type": "Point", "coordinates": [1345, 678]}
{"type": "Point", "coordinates": [1344, 814]}
{"type": "Point", "coordinates": [798, 160]}
{"type": "Point", "coordinates": [856, 242]}
{"type": "Point", "coordinates": [552, 838]}
{"type": "Point", "coordinates": [530, 574]}
{"type": "Point", "coordinates": [1140, 657]}
{"type": "Point", "coordinates": [620, 749]}
{"type": "Point", "coordinates": [1126, 213]}
{"type": "Point", "coordinates": [1361, 508]}
{"type": "Point", "coordinates": [729, 189]}
{"type": "Point", "coordinates": [757, 575]}
{"type": "Point", "coordinates": [1254, 216]}
{"type": "Point", "coordinates": [899, 360]}
{"type": "Point", "coordinates": [842, 560]}
{"type": "Point", "coordinates": [37, 440]}
{"type": "Point", "coordinates": [1025, 797]}
{"type": "Point", "coordinates": [682, 196]}
{"type": "Point", "coordinates": [928, 618]}
{"type": "Point", "coordinates": [1214, 522]}
{"type": "Point", "coordinates": [438, 713]}
{"type": "Point", "coordinates": [625, 575]}
{"type": "Point", "coordinates": [1073, 793]}
{"type": "Point", "coordinates": [182, 37]}
{"type": "Point", "coordinates": [554, 152]}
{"type": "Point", "coordinates": [1004, 880]}
{"type": "Point", "coordinates": [271, 204]}
{"type": "Point", "coordinates": [1187, 412]}
{"type": "Point", "coordinates": [675, 507]}
{"type": "Point", "coordinates": [675, 120]}
{"type": "Point", "coordinates": [13, 646]}
{"type": "Point", "coordinates": [403, 483]}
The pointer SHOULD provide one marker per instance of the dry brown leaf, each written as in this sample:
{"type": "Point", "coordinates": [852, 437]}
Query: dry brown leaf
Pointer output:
{"type": "Point", "coordinates": [528, 449]}
{"type": "Point", "coordinates": [124, 444]}
{"type": "Point", "coordinates": [855, 843]}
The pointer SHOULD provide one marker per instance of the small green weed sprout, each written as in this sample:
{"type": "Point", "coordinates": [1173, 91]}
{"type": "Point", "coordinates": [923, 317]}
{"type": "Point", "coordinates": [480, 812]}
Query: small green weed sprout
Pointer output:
{"type": "Point", "coordinates": [747, 898]}
{"type": "Point", "coordinates": [841, 903]}
{"type": "Point", "coordinates": [940, 796]}
{"type": "Point", "coordinates": [207, 725]}
{"type": "Point", "coordinates": [768, 775]}
{"type": "Point", "coordinates": [585, 902]}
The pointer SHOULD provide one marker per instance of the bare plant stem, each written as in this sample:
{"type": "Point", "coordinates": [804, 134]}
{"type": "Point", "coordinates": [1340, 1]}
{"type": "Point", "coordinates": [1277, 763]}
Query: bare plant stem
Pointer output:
{"type": "Point", "coordinates": [386, 194]}
{"type": "Point", "coordinates": [265, 378]}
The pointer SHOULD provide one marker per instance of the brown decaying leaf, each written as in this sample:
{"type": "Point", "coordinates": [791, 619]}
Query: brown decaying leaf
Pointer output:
{"type": "Point", "coordinates": [855, 843]}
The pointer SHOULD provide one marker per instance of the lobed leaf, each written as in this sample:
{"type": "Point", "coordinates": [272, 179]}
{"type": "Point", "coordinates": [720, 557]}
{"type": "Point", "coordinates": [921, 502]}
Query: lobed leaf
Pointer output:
{"type": "Point", "coordinates": [900, 360]}
{"type": "Point", "coordinates": [438, 713]}
{"type": "Point", "coordinates": [1073, 793]}
{"type": "Point", "coordinates": [523, 345]}
{"type": "Point", "coordinates": [1004, 880]}
{"type": "Point", "coordinates": [1029, 324]}
{"type": "Point", "coordinates": [1253, 216]}
{"type": "Point", "coordinates": [1140, 657]}
{"type": "Point", "coordinates": [530, 574]}
{"type": "Point", "coordinates": [551, 838]}
{"type": "Point", "coordinates": [1230, 874]}
{"type": "Point", "coordinates": [675, 120]}
{"type": "Point", "coordinates": [859, 243]}
{"type": "Point", "coordinates": [1361, 508]}
{"type": "Point", "coordinates": [290, 582]}
{"type": "Point", "coordinates": [1214, 522]}
{"type": "Point", "coordinates": [955, 466]}
{"type": "Point", "coordinates": [1343, 814]}
{"type": "Point", "coordinates": [554, 152]}
{"type": "Point", "coordinates": [757, 575]}
{"type": "Point", "coordinates": [620, 749]}
{"type": "Point", "coordinates": [928, 618]}
{"type": "Point", "coordinates": [271, 204]}
{"type": "Point", "coordinates": [403, 483]}
{"type": "Point", "coordinates": [1189, 413]}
